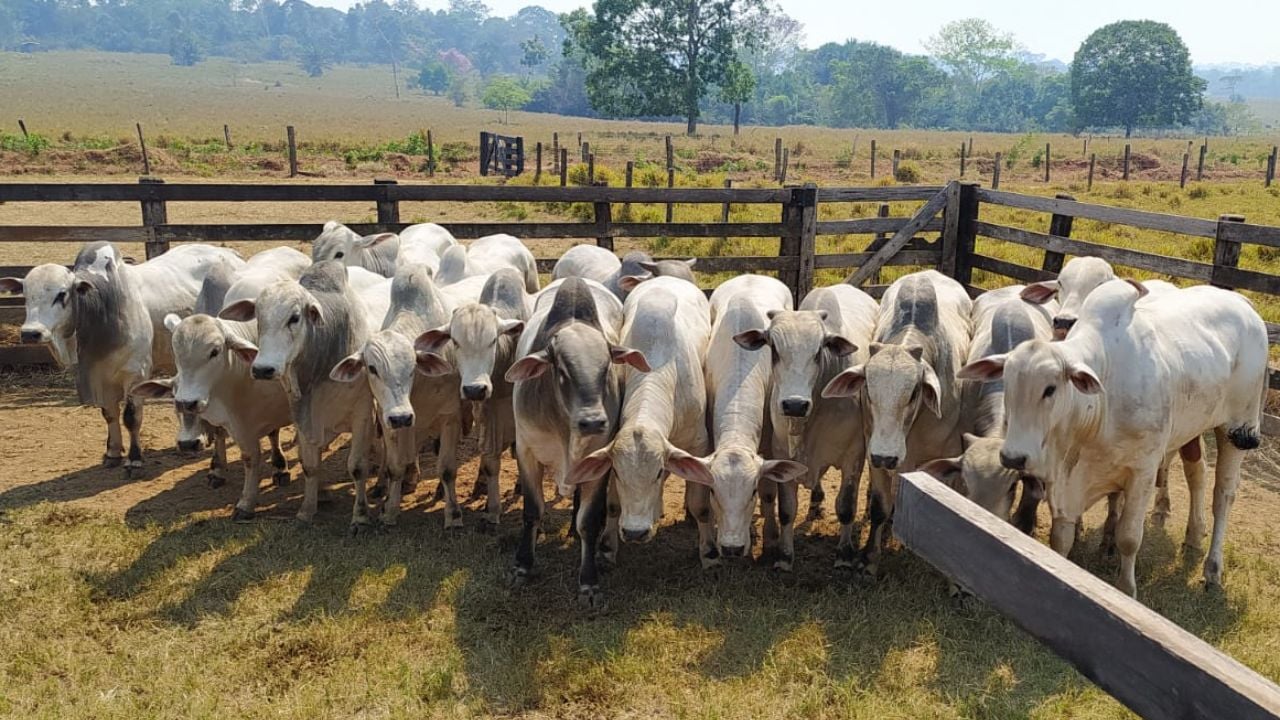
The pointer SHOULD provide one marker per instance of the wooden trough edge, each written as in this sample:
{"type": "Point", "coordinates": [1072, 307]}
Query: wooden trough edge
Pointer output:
{"type": "Point", "coordinates": [1148, 663]}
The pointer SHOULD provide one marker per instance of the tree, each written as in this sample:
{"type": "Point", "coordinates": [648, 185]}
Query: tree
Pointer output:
{"type": "Point", "coordinates": [973, 50]}
{"type": "Point", "coordinates": [660, 57]}
{"type": "Point", "coordinates": [433, 77]}
{"type": "Point", "coordinates": [183, 49]}
{"type": "Point", "coordinates": [458, 91]}
{"type": "Point", "coordinates": [315, 60]}
{"type": "Point", "coordinates": [1134, 73]}
{"type": "Point", "coordinates": [737, 87]}
{"type": "Point", "coordinates": [532, 53]}
{"type": "Point", "coordinates": [505, 94]}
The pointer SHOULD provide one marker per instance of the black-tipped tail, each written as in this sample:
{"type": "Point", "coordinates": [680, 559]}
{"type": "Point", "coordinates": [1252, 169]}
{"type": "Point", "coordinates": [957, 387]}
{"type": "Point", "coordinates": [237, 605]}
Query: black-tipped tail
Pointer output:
{"type": "Point", "coordinates": [1244, 437]}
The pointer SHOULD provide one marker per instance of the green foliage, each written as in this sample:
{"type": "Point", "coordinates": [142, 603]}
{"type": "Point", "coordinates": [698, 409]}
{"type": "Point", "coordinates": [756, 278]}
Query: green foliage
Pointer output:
{"type": "Point", "coordinates": [908, 172]}
{"type": "Point", "coordinates": [505, 94]}
{"type": "Point", "coordinates": [433, 77]}
{"type": "Point", "coordinates": [459, 92]}
{"type": "Point", "coordinates": [1134, 73]}
{"type": "Point", "coordinates": [32, 144]}
{"type": "Point", "coordinates": [184, 50]}
{"type": "Point", "coordinates": [533, 52]}
{"type": "Point", "coordinates": [315, 60]}
{"type": "Point", "coordinates": [973, 50]}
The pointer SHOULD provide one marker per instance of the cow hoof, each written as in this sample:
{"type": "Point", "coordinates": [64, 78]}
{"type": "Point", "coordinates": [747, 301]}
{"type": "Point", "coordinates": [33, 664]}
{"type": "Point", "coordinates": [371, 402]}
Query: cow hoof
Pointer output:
{"type": "Point", "coordinates": [214, 480]}
{"type": "Point", "coordinates": [377, 491]}
{"type": "Point", "coordinates": [815, 512]}
{"type": "Point", "coordinates": [453, 520]}
{"type": "Point", "coordinates": [1192, 547]}
{"type": "Point", "coordinates": [493, 520]}
{"type": "Point", "coordinates": [281, 478]}
{"type": "Point", "coordinates": [782, 564]}
{"type": "Point", "coordinates": [109, 461]}
{"type": "Point", "coordinates": [609, 556]}
{"type": "Point", "coordinates": [1158, 519]}
{"type": "Point", "coordinates": [361, 526]}
{"type": "Point", "coordinates": [408, 488]}
{"type": "Point", "coordinates": [592, 598]}
{"type": "Point", "coordinates": [239, 514]}
{"type": "Point", "coordinates": [520, 576]}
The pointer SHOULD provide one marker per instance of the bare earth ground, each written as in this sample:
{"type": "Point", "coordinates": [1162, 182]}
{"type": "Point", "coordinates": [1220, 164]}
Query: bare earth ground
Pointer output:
{"type": "Point", "coordinates": [130, 599]}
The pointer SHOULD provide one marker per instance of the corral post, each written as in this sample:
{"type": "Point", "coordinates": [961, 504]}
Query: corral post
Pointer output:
{"type": "Point", "coordinates": [1226, 253]}
{"type": "Point", "coordinates": [1047, 155]}
{"type": "Point", "coordinates": [626, 208]}
{"type": "Point", "coordinates": [897, 158]}
{"type": "Point", "coordinates": [671, 182]}
{"type": "Point", "coordinates": [293, 150]}
{"type": "Point", "coordinates": [431, 155]}
{"type": "Point", "coordinates": [777, 159]}
{"type": "Point", "coordinates": [1085, 151]}
{"type": "Point", "coordinates": [1093, 160]}
{"type": "Point", "coordinates": [970, 146]}
{"type": "Point", "coordinates": [580, 143]}
{"type": "Point", "coordinates": [1271, 166]}
{"type": "Point", "coordinates": [961, 159]}
{"type": "Point", "coordinates": [23, 127]}
{"type": "Point", "coordinates": [537, 173]}
{"type": "Point", "coordinates": [586, 151]}
{"type": "Point", "coordinates": [786, 160]}
{"type": "Point", "coordinates": [484, 153]}
{"type": "Point", "coordinates": [154, 212]}
{"type": "Point", "coordinates": [519, 156]}
{"type": "Point", "coordinates": [146, 160]}
{"type": "Point", "coordinates": [555, 151]}
{"type": "Point", "coordinates": [564, 166]}
{"type": "Point", "coordinates": [878, 241]}
{"type": "Point", "coordinates": [671, 153]}
{"type": "Point", "coordinates": [958, 231]}
{"type": "Point", "coordinates": [873, 158]}
{"type": "Point", "coordinates": [604, 220]}
{"type": "Point", "coordinates": [995, 172]}
{"type": "Point", "coordinates": [1059, 225]}
{"type": "Point", "coordinates": [1204, 150]}
{"type": "Point", "coordinates": [226, 133]}
{"type": "Point", "coordinates": [724, 209]}
{"type": "Point", "coordinates": [1127, 148]}
{"type": "Point", "coordinates": [388, 209]}
{"type": "Point", "coordinates": [806, 198]}
{"type": "Point", "coordinates": [591, 169]}
{"type": "Point", "coordinates": [1186, 165]}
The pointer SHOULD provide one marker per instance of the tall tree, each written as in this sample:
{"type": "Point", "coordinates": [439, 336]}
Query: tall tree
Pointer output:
{"type": "Point", "coordinates": [505, 94]}
{"type": "Point", "coordinates": [1134, 73]}
{"type": "Point", "coordinates": [660, 57]}
{"type": "Point", "coordinates": [973, 50]}
{"type": "Point", "coordinates": [737, 86]}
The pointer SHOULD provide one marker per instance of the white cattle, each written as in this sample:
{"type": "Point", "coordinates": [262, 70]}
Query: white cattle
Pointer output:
{"type": "Point", "coordinates": [738, 386]}
{"type": "Point", "coordinates": [664, 410]}
{"type": "Point", "coordinates": [826, 336]}
{"type": "Point", "coordinates": [376, 253]}
{"type": "Point", "coordinates": [921, 338]}
{"type": "Point", "coordinates": [1101, 410]}
{"type": "Point", "coordinates": [591, 262]}
{"type": "Point", "coordinates": [682, 269]}
{"type": "Point", "coordinates": [261, 270]}
{"type": "Point", "coordinates": [486, 256]}
{"type": "Point", "coordinates": [423, 244]}
{"type": "Point", "coordinates": [106, 318]}
{"type": "Point", "coordinates": [305, 327]}
{"type": "Point", "coordinates": [608, 306]}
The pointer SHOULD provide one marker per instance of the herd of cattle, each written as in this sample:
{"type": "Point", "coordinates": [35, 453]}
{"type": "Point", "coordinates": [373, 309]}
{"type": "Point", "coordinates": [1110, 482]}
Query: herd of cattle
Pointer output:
{"type": "Point", "coordinates": [621, 373]}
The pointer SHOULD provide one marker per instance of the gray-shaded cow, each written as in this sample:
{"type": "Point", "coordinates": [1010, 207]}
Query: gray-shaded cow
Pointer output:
{"type": "Point", "coordinates": [486, 256]}
{"type": "Point", "coordinates": [595, 263]}
{"type": "Point", "coordinates": [375, 253]}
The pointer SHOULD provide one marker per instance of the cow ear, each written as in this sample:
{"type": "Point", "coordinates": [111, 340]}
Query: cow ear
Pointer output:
{"type": "Point", "coordinates": [1137, 285]}
{"type": "Point", "coordinates": [315, 314]}
{"type": "Point", "coordinates": [432, 340]}
{"type": "Point", "coordinates": [331, 226]}
{"type": "Point", "coordinates": [839, 345]}
{"type": "Point", "coordinates": [649, 266]}
{"type": "Point", "coordinates": [752, 339]}
{"type": "Point", "coordinates": [684, 465]}
{"type": "Point", "coordinates": [171, 322]}
{"type": "Point", "coordinates": [968, 439]}
{"type": "Point", "coordinates": [245, 350]}
{"type": "Point", "coordinates": [626, 356]}
{"type": "Point", "coordinates": [823, 315]}
{"type": "Point", "coordinates": [949, 472]}
{"type": "Point", "coordinates": [529, 367]}
{"type": "Point", "coordinates": [1040, 293]}
{"type": "Point", "coordinates": [988, 369]}
{"type": "Point", "coordinates": [11, 285]}
{"type": "Point", "coordinates": [874, 348]}
{"type": "Point", "coordinates": [932, 391]}
{"type": "Point", "coordinates": [240, 311]}
{"type": "Point", "coordinates": [369, 241]}
{"type": "Point", "coordinates": [510, 327]}
{"type": "Point", "coordinates": [1085, 380]}
{"type": "Point", "coordinates": [592, 467]}
{"type": "Point", "coordinates": [771, 314]}
{"type": "Point", "coordinates": [846, 384]}
{"type": "Point", "coordinates": [782, 471]}
{"type": "Point", "coordinates": [349, 369]}
{"type": "Point", "coordinates": [691, 262]}
{"type": "Point", "coordinates": [152, 389]}
{"type": "Point", "coordinates": [83, 286]}
{"type": "Point", "coordinates": [432, 365]}
{"type": "Point", "coordinates": [915, 351]}
{"type": "Point", "coordinates": [630, 282]}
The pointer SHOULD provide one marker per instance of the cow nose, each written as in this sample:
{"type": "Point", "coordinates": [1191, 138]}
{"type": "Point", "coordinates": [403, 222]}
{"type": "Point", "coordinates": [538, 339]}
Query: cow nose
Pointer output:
{"type": "Point", "coordinates": [187, 406]}
{"type": "Point", "coordinates": [733, 551]}
{"type": "Point", "coordinates": [31, 337]}
{"type": "Point", "coordinates": [592, 425]}
{"type": "Point", "coordinates": [400, 420]}
{"type": "Point", "coordinates": [263, 372]}
{"type": "Point", "coordinates": [884, 462]}
{"type": "Point", "coordinates": [190, 445]}
{"type": "Point", "coordinates": [635, 536]}
{"type": "Point", "coordinates": [1063, 323]}
{"type": "Point", "coordinates": [796, 407]}
{"type": "Point", "coordinates": [1013, 462]}
{"type": "Point", "coordinates": [475, 392]}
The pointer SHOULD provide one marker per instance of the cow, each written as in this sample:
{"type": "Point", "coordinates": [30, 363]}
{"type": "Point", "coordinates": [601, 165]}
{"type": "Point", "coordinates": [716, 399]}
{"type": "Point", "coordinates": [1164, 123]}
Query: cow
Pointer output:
{"type": "Point", "coordinates": [408, 404]}
{"type": "Point", "coordinates": [1101, 410]}
{"type": "Point", "coordinates": [596, 263]}
{"type": "Point", "coordinates": [105, 318]}
{"type": "Point", "coordinates": [376, 253]}
{"type": "Point", "coordinates": [908, 390]}
{"type": "Point", "coordinates": [261, 270]}
{"type": "Point", "coordinates": [213, 385]}
{"type": "Point", "coordinates": [486, 256]}
{"type": "Point", "coordinates": [826, 336]}
{"type": "Point", "coordinates": [566, 402]}
{"type": "Point", "coordinates": [483, 336]}
{"type": "Point", "coordinates": [424, 243]}
{"type": "Point", "coordinates": [305, 327]}
{"type": "Point", "coordinates": [663, 423]}
{"type": "Point", "coordinates": [682, 269]}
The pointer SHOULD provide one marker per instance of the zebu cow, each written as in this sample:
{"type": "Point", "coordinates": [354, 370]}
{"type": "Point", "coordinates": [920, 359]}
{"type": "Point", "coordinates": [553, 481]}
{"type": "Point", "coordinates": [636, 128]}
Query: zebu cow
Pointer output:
{"type": "Point", "coordinates": [909, 393]}
{"type": "Point", "coordinates": [423, 244]}
{"type": "Point", "coordinates": [261, 270]}
{"type": "Point", "coordinates": [566, 401]}
{"type": "Point", "coordinates": [106, 318]}
{"type": "Point", "coordinates": [810, 347]}
{"type": "Point", "coordinates": [1002, 320]}
{"type": "Point", "coordinates": [305, 327]}
{"type": "Point", "coordinates": [484, 335]}
{"type": "Point", "coordinates": [738, 383]}
{"type": "Point", "coordinates": [409, 404]}
{"type": "Point", "coordinates": [486, 256]}
{"type": "Point", "coordinates": [664, 409]}
{"type": "Point", "coordinates": [682, 269]}
{"type": "Point", "coordinates": [375, 253]}
{"type": "Point", "coordinates": [596, 263]}
{"type": "Point", "coordinates": [1101, 410]}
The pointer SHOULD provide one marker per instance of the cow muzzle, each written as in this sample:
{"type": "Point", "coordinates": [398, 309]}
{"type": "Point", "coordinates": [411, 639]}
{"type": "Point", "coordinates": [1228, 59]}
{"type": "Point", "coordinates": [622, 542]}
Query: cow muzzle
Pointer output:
{"type": "Point", "coordinates": [592, 424]}
{"type": "Point", "coordinates": [733, 551]}
{"type": "Point", "coordinates": [884, 462]}
{"type": "Point", "coordinates": [1013, 461]}
{"type": "Point", "coordinates": [195, 445]}
{"type": "Point", "coordinates": [475, 392]}
{"type": "Point", "coordinates": [398, 421]}
{"type": "Point", "coordinates": [263, 372]}
{"type": "Point", "coordinates": [190, 407]}
{"type": "Point", "coordinates": [796, 407]}
{"type": "Point", "coordinates": [1062, 324]}
{"type": "Point", "coordinates": [32, 336]}
{"type": "Point", "coordinates": [637, 536]}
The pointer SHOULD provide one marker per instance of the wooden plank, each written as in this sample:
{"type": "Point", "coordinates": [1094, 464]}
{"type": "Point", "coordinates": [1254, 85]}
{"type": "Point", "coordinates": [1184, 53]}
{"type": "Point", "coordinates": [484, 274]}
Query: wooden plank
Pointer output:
{"type": "Point", "coordinates": [26, 356]}
{"type": "Point", "coordinates": [1226, 253]}
{"type": "Point", "coordinates": [1254, 234]}
{"type": "Point", "coordinates": [847, 260]}
{"type": "Point", "coordinates": [894, 193]}
{"type": "Point", "coordinates": [1145, 661]}
{"type": "Point", "coordinates": [1238, 279]}
{"type": "Point", "coordinates": [740, 263]}
{"type": "Point", "coordinates": [807, 199]}
{"type": "Point", "coordinates": [1059, 225]}
{"type": "Point", "coordinates": [862, 226]}
{"type": "Point", "coordinates": [951, 231]}
{"type": "Point", "coordinates": [1008, 269]}
{"type": "Point", "coordinates": [75, 234]}
{"type": "Point", "coordinates": [1119, 256]}
{"type": "Point", "coordinates": [1123, 216]}
{"type": "Point", "coordinates": [307, 232]}
{"type": "Point", "coordinates": [926, 213]}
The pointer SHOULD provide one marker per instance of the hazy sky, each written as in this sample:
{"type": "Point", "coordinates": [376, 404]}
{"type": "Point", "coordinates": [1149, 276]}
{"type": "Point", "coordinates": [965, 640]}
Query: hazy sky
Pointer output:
{"type": "Point", "coordinates": [1237, 31]}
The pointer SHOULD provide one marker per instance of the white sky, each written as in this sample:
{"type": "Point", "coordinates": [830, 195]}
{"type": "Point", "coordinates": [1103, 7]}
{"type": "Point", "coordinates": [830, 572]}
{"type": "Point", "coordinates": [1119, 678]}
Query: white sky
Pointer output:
{"type": "Point", "coordinates": [1224, 31]}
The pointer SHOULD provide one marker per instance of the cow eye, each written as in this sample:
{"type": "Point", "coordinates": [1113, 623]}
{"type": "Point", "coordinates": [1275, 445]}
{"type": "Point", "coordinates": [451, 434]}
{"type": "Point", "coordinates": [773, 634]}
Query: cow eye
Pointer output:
{"type": "Point", "coordinates": [373, 371]}
{"type": "Point", "coordinates": [1049, 391]}
{"type": "Point", "coordinates": [293, 320]}
{"type": "Point", "coordinates": [60, 298]}
{"type": "Point", "coordinates": [338, 255]}
{"type": "Point", "coordinates": [214, 353]}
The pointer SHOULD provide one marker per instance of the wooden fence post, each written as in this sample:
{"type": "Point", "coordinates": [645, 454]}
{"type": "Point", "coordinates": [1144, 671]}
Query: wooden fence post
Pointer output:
{"type": "Point", "coordinates": [226, 133]}
{"type": "Point", "coordinates": [580, 143]}
{"type": "Point", "coordinates": [806, 198]}
{"type": "Point", "coordinates": [777, 159]}
{"type": "Point", "coordinates": [146, 160]}
{"type": "Point", "coordinates": [1271, 165]}
{"type": "Point", "coordinates": [786, 160]}
{"type": "Point", "coordinates": [431, 155]}
{"type": "Point", "coordinates": [292, 137]}
{"type": "Point", "coordinates": [958, 231]}
{"type": "Point", "coordinates": [1226, 253]}
{"type": "Point", "coordinates": [555, 151]}
{"type": "Point", "coordinates": [626, 207]}
{"type": "Point", "coordinates": [961, 159]}
{"type": "Point", "coordinates": [1093, 160]}
{"type": "Point", "coordinates": [671, 153]}
{"type": "Point", "coordinates": [519, 155]}
{"type": "Point", "coordinates": [22, 125]}
{"type": "Point", "coordinates": [1204, 149]}
{"type": "Point", "coordinates": [1059, 225]}
{"type": "Point", "coordinates": [724, 209]}
{"type": "Point", "coordinates": [1127, 148]}
{"type": "Point", "coordinates": [484, 153]}
{"type": "Point", "coordinates": [604, 220]}
{"type": "Point", "coordinates": [154, 212]}
{"type": "Point", "coordinates": [1186, 165]}
{"type": "Point", "coordinates": [537, 173]}
{"type": "Point", "coordinates": [873, 158]}
{"type": "Point", "coordinates": [671, 182]}
{"type": "Point", "coordinates": [897, 158]}
{"type": "Point", "coordinates": [1047, 155]}
{"type": "Point", "coordinates": [995, 172]}
{"type": "Point", "coordinates": [586, 151]}
{"type": "Point", "coordinates": [591, 168]}
{"type": "Point", "coordinates": [878, 241]}
{"type": "Point", "coordinates": [388, 209]}
{"type": "Point", "coordinates": [970, 146]}
{"type": "Point", "coordinates": [564, 166]}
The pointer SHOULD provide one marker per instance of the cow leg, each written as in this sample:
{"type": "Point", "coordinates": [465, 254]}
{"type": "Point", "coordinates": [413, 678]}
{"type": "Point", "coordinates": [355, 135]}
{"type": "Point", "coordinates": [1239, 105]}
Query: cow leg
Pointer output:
{"type": "Point", "coordinates": [218, 461]}
{"type": "Point", "coordinates": [400, 462]}
{"type": "Point", "coordinates": [1226, 479]}
{"type": "Point", "coordinates": [309, 456]}
{"type": "Point", "coordinates": [1193, 467]}
{"type": "Point", "coordinates": [133, 423]}
{"type": "Point", "coordinates": [698, 503]}
{"type": "Point", "coordinates": [448, 462]}
{"type": "Point", "coordinates": [1160, 513]}
{"type": "Point", "coordinates": [1115, 507]}
{"type": "Point", "coordinates": [114, 455]}
{"type": "Point", "coordinates": [1137, 495]}
{"type": "Point", "coordinates": [847, 506]}
{"type": "Point", "coordinates": [1024, 518]}
{"type": "Point", "coordinates": [250, 459]}
{"type": "Point", "coordinates": [530, 475]}
{"type": "Point", "coordinates": [491, 464]}
{"type": "Point", "coordinates": [817, 496]}
{"type": "Point", "coordinates": [613, 517]}
{"type": "Point", "coordinates": [281, 475]}
{"type": "Point", "coordinates": [1062, 535]}
{"type": "Point", "coordinates": [787, 503]}
{"type": "Point", "coordinates": [880, 510]}
{"type": "Point", "coordinates": [590, 521]}
{"type": "Point", "coordinates": [358, 464]}
{"type": "Point", "coordinates": [768, 491]}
